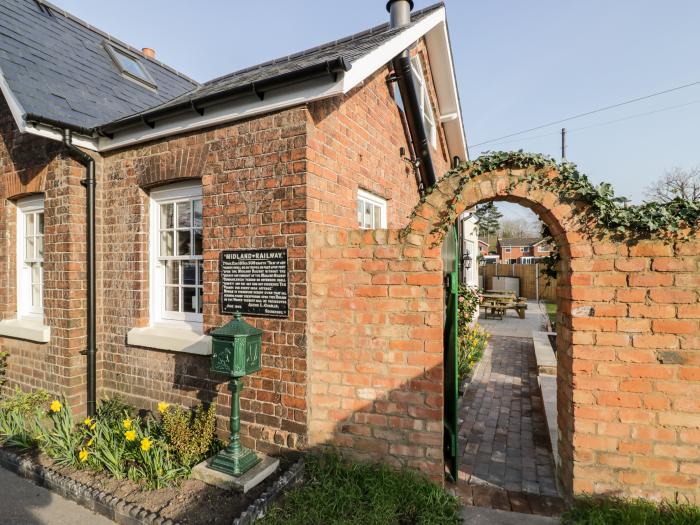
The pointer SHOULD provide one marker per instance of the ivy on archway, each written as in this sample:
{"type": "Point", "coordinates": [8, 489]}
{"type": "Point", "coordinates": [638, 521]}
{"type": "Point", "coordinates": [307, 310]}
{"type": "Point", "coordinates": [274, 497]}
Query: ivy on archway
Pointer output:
{"type": "Point", "coordinates": [602, 214]}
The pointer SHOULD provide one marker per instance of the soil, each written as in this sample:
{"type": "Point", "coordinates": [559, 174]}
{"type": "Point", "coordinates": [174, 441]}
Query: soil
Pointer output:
{"type": "Point", "coordinates": [193, 502]}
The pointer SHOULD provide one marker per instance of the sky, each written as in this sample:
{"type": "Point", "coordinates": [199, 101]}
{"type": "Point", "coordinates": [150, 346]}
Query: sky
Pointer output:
{"type": "Point", "coordinates": [519, 64]}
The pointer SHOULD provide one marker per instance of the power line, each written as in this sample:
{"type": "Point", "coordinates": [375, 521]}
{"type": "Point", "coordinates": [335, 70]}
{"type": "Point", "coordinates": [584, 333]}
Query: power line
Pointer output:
{"type": "Point", "coordinates": [599, 124]}
{"type": "Point", "coordinates": [606, 108]}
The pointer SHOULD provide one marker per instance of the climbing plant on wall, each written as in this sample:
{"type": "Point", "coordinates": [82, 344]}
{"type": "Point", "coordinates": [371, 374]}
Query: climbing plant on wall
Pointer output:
{"type": "Point", "coordinates": [602, 213]}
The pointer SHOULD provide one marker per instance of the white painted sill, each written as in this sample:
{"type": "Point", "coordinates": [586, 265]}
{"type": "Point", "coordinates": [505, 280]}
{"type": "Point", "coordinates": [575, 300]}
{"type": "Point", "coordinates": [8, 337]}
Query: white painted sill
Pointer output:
{"type": "Point", "coordinates": [26, 329]}
{"type": "Point", "coordinates": [171, 338]}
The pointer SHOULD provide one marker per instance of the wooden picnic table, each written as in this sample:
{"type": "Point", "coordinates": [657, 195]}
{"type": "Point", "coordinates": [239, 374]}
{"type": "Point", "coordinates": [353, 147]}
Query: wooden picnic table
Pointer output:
{"type": "Point", "coordinates": [496, 304]}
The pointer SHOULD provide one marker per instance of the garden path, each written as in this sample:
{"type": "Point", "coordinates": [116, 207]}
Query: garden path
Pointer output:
{"type": "Point", "coordinates": [503, 437]}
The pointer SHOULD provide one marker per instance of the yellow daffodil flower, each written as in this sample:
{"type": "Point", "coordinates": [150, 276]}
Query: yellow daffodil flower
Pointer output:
{"type": "Point", "coordinates": [87, 421]}
{"type": "Point", "coordinates": [127, 424]}
{"type": "Point", "coordinates": [56, 406]}
{"type": "Point", "coordinates": [162, 407]}
{"type": "Point", "coordinates": [83, 455]}
{"type": "Point", "coordinates": [146, 444]}
{"type": "Point", "coordinates": [90, 442]}
{"type": "Point", "coordinates": [92, 427]}
{"type": "Point", "coordinates": [130, 435]}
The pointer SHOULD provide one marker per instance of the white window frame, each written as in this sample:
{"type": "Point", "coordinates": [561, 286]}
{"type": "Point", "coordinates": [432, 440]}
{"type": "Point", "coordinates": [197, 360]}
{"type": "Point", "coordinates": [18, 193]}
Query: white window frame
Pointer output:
{"type": "Point", "coordinates": [542, 248]}
{"type": "Point", "coordinates": [25, 309]}
{"type": "Point", "coordinates": [172, 193]}
{"type": "Point", "coordinates": [374, 200]}
{"type": "Point", "coordinates": [507, 249]}
{"type": "Point", "coordinates": [426, 107]}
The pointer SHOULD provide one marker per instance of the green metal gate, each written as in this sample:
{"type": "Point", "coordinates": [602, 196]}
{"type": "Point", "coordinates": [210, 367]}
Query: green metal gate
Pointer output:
{"type": "Point", "coordinates": [450, 259]}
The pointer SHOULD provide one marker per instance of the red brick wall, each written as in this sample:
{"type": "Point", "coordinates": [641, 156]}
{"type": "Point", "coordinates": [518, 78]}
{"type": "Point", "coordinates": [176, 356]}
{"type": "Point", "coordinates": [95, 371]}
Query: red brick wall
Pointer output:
{"type": "Point", "coordinates": [628, 369]}
{"type": "Point", "coordinates": [254, 196]}
{"type": "Point", "coordinates": [32, 165]}
{"type": "Point", "coordinates": [354, 142]}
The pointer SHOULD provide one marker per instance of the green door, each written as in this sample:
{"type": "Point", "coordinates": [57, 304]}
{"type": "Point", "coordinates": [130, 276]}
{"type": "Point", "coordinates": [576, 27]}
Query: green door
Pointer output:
{"type": "Point", "coordinates": [450, 260]}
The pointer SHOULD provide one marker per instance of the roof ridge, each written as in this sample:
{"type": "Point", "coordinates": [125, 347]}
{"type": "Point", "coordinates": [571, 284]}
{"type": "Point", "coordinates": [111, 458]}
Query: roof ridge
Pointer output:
{"type": "Point", "coordinates": [349, 38]}
{"type": "Point", "coordinates": [110, 38]}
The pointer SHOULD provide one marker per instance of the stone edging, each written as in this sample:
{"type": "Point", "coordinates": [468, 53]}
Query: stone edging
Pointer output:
{"type": "Point", "coordinates": [121, 511]}
{"type": "Point", "coordinates": [260, 506]}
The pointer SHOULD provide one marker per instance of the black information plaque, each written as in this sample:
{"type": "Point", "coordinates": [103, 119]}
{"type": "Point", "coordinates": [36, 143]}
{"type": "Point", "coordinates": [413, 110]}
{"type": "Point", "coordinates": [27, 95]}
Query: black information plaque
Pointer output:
{"type": "Point", "coordinates": [254, 282]}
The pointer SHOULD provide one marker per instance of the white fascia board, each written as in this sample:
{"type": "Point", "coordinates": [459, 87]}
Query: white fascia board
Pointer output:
{"type": "Point", "coordinates": [40, 130]}
{"type": "Point", "coordinates": [49, 132]}
{"type": "Point", "coordinates": [371, 62]}
{"type": "Point", "coordinates": [15, 107]}
{"type": "Point", "coordinates": [226, 112]}
{"type": "Point", "coordinates": [440, 55]}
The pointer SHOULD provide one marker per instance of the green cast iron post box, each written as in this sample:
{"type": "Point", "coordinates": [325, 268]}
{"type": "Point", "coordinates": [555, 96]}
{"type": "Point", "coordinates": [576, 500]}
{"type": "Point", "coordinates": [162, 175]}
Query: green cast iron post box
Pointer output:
{"type": "Point", "coordinates": [236, 349]}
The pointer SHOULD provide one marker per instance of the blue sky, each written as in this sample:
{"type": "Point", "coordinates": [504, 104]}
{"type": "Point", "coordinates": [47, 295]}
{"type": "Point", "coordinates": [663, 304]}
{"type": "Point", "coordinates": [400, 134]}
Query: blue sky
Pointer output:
{"type": "Point", "coordinates": [519, 64]}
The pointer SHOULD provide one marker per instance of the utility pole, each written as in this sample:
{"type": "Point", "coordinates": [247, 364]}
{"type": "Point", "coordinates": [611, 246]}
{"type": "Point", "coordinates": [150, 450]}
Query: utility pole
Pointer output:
{"type": "Point", "coordinates": [563, 144]}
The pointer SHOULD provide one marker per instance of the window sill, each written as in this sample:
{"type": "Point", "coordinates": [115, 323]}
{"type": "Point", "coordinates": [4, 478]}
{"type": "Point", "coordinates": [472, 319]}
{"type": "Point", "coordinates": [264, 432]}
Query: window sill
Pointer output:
{"type": "Point", "coordinates": [27, 329]}
{"type": "Point", "coordinates": [174, 339]}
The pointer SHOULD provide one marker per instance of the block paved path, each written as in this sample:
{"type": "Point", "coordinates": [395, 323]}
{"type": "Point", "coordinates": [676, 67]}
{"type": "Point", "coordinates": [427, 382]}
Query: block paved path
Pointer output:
{"type": "Point", "coordinates": [503, 437]}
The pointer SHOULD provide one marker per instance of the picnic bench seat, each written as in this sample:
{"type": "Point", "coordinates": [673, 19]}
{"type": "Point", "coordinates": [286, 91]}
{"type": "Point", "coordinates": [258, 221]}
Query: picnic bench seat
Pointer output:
{"type": "Point", "coordinates": [496, 304]}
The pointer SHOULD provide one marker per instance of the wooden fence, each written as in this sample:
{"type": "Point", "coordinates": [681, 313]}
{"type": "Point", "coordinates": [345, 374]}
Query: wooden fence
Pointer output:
{"type": "Point", "coordinates": [533, 284]}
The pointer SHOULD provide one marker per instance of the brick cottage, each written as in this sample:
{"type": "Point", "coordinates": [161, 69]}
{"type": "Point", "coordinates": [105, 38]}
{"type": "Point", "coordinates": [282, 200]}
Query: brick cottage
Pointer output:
{"type": "Point", "coordinates": [326, 154]}
{"type": "Point", "coordinates": [183, 171]}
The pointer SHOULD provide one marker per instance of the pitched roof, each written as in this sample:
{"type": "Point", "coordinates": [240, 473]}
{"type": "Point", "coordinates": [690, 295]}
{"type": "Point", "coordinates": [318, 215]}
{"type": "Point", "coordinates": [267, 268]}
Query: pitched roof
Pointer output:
{"type": "Point", "coordinates": [519, 241]}
{"type": "Point", "coordinates": [58, 68]}
{"type": "Point", "coordinates": [342, 53]}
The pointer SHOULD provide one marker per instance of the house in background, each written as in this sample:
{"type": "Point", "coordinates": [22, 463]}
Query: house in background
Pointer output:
{"type": "Point", "coordinates": [523, 250]}
{"type": "Point", "coordinates": [114, 289]}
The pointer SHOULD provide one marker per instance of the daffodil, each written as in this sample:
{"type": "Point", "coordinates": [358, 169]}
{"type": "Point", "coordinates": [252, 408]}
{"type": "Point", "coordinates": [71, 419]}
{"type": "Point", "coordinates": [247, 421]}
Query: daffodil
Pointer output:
{"type": "Point", "coordinates": [90, 442]}
{"type": "Point", "coordinates": [163, 406]}
{"type": "Point", "coordinates": [146, 444]}
{"type": "Point", "coordinates": [87, 421]}
{"type": "Point", "coordinates": [126, 424]}
{"type": "Point", "coordinates": [83, 455]}
{"type": "Point", "coordinates": [130, 435]}
{"type": "Point", "coordinates": [56, 406]}
{"type": "Point", "coordinates": [93, 426]}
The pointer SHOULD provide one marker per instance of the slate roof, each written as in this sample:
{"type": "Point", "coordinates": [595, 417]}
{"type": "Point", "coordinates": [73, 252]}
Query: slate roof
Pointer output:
{"type": "Point", "coordinates": [520, 241]}
{"type": "Point", "coordinates": [350, 48]}
{"type": "Point", "coordinates": [58, 68]}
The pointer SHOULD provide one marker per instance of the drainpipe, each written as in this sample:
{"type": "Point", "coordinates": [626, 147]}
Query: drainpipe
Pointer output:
{"type": "Point", "coordinates": [399, 16]}
{"type": "Point", "coordinates": [89, 183]}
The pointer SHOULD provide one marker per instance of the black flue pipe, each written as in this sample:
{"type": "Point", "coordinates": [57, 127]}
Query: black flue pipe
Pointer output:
{"type": "Point", "coordinates": [89, 183]}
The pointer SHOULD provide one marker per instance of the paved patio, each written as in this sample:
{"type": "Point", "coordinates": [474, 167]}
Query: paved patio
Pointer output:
{"type": "Point", "coordinates": [503, 436]}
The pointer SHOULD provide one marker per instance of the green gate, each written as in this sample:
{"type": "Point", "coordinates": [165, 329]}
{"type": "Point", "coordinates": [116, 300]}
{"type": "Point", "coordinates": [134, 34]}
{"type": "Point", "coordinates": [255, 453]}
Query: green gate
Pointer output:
{"type": "Point", "coordinates": [450, 260]}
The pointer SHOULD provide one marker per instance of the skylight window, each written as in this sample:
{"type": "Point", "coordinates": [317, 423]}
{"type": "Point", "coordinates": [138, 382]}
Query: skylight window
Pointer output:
{"type": "Point", "coordinates": [130, 66]}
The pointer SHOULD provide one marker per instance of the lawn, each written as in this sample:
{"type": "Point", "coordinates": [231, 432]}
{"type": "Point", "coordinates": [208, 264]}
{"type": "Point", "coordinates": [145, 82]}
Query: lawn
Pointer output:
{"type": "Point", "coordinates": [551, 312]}
{"type": "Point", "coordinates": [336, 492]}
{"type": "Point", "coordinates": [618, 511]}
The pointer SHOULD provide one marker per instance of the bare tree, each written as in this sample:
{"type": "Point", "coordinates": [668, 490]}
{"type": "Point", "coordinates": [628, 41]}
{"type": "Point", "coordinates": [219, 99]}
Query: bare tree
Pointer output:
{"type": "Point", "coordinates": [675, 183]}
{"type": "Point", "coordinates": [511, 228]}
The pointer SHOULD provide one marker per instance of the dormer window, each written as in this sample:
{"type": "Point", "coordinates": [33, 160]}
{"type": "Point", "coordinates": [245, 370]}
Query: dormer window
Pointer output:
{"type": "Point", "coordinates": [130, 65]}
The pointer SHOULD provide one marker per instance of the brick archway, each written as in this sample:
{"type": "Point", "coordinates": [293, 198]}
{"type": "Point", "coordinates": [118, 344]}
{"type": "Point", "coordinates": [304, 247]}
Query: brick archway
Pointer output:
{"type": "Point", "coordinates": [628, 371]}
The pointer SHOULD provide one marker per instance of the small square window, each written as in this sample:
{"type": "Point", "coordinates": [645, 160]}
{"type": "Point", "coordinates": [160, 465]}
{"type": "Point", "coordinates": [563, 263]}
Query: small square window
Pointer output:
{"type": "Point", "coordinates": [371, 211]}
{"type": "Point", "coordinates": [130, 65]}
{"type": "Point", "coordinates": [507, 249]}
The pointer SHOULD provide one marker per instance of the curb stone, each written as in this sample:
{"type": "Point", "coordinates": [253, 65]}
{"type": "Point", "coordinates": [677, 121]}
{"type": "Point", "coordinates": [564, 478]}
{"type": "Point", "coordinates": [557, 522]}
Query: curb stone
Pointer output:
{"type": "Point", "coordinates": [260, 506]}
{"type": "Point", "coordinates": [122, 512]}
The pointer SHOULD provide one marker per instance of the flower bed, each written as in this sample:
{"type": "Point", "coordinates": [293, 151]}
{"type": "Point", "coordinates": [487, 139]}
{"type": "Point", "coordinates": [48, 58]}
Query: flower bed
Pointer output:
{"type": "Point", "coordinates": [131, 469]}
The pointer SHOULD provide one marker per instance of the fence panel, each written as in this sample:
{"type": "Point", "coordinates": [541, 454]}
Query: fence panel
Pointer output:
{"type": "Point", "coordinates": [532, 282]}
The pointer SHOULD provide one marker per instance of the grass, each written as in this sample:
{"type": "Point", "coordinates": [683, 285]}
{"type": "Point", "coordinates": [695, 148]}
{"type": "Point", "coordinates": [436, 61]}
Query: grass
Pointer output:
{"type": "Point", "coordinates": [620, 511]}
{"type": "Point", "coordinates": [336, 492]}
{"type": "Point", "coordinates": [551, 312]}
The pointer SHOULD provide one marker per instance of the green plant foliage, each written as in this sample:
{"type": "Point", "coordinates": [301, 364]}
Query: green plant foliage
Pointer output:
{"type": "Point", "coordinates": [467, 304]}
{"type": "Point", "coordinates": [364, 494]}
{"type": "Point", "coordinates": [18, 415]}
{"type": "Point", "coordinates": [601, 212]}
{"type": "Point", "coordinates": [3, 368]}
{"type": "Point", "coordinates": [114, 409]}
{"type": "Point", "coordinates": [190, 433]}
{"type": "Point", "coordinates": [472, 344]}
{"type": "Point", "coordinates": [620, 511]}
{"type": "Point", "coordinates": [58, 437]}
